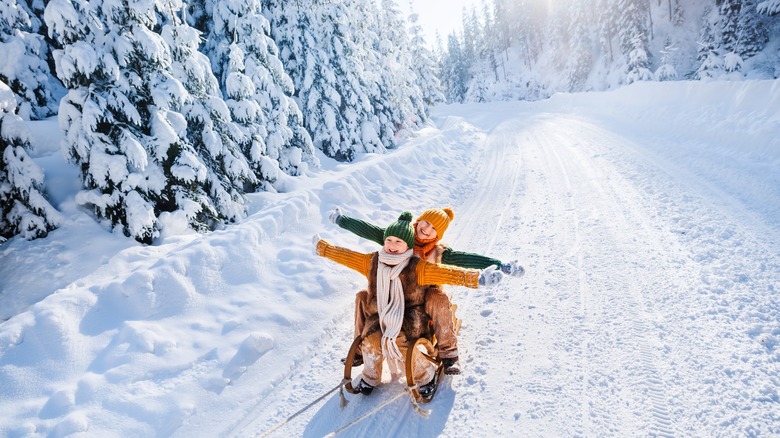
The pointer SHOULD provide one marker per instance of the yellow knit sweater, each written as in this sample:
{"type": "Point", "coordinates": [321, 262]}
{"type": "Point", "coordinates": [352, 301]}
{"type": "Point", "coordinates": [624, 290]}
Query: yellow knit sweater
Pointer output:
{"type": "Point", "coordinates": [427, 273]}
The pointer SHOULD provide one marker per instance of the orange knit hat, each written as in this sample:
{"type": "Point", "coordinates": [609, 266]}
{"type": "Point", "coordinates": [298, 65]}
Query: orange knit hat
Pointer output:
{"type": "Point", "coordinates": [440, 218]}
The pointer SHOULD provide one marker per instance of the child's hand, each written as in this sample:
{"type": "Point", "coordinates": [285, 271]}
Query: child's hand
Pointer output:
{"type": "Point", "coordinates": [335, 216]}
{"type": "Point", "coordinates": [490, 276]}
{"type": "Point", "coordinates": [513, 268]}
{"type": "Point", "coordinates": [316, 240]}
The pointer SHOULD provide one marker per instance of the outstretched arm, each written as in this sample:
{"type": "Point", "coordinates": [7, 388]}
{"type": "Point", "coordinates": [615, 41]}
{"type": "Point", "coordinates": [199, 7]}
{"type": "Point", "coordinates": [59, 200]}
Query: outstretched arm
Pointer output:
{"type": "Point", "coordinates": [432, 273]}
{"type": "Point", "coordinates": [352, 259]}
{"type": "Point", "coordinates": [476, 261]}
{"type": "Point", "coordinates": [467, 259]}
{"type": "Point", "coordinates": [359, 227]}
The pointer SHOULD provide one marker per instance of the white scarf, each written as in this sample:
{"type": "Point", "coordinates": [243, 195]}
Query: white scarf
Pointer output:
{"type": "Point", "coordinates": [390, 303]}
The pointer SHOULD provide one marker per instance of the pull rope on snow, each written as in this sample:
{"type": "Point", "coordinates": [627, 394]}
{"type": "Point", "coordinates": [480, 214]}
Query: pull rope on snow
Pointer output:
{"type": "Point", "coordinates": [425, 413]}
{"type": "Point", "coordinates": [344, 402]}
{"type": "Point", "coordinates": [366, 415]}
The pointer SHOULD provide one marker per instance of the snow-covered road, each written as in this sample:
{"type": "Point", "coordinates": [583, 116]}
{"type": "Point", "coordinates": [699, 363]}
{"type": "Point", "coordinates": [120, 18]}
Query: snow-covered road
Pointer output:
{"type": "Point", "coordinates": [650, 303]}
{"type": "Point", "coordinates": [648, 220]}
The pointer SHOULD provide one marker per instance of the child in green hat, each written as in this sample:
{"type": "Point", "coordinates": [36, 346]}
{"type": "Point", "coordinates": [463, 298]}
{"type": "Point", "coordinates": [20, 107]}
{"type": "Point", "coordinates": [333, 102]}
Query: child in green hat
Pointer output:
{"type": "Point", "coordinates": [429, 228]}
{"type": "Point", "coordinates": [395, 306]}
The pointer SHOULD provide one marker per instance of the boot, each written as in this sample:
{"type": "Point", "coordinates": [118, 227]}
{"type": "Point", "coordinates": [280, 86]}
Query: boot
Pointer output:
{"type": "Point", "coordinates": [427, 390]}
{"type": "Point", "coordinates": [356, 362]}
{"type": "Point", "coordinates": [364, 387]}
{"type": "Point", "coordinates": [451, 366]}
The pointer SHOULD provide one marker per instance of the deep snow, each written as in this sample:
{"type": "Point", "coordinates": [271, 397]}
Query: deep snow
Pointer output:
{"type": "Point", "coordinates": [648, 220]}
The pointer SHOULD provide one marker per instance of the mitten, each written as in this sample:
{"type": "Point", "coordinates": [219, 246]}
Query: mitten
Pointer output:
{"type": "Point", "coordinates": [513, 268]}
{"type": "Point", "coordinates": [316, 240]}
{"type": "Point", "coordinates": [490, 276]}
{"type": "Point", "coordinates": [335, 216]}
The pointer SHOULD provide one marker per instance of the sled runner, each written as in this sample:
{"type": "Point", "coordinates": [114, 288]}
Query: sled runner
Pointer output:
{"type": "Point", "coordinates": [422, 347]}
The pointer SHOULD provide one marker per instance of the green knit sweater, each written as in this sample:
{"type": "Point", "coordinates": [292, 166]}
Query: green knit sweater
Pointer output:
{"type": "Point", "coordinates": [449, 257]}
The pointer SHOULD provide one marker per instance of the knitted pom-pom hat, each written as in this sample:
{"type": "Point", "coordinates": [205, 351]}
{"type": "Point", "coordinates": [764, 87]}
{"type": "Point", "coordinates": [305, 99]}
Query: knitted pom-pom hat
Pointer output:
{"type": "Point", "coordinates": [402, 229]}
{"type": "Point", "coordinates": [438, 217]}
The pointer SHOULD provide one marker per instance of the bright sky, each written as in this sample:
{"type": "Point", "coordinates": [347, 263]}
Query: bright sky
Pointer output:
{"type": "Point", "coordinates": [442, 15]}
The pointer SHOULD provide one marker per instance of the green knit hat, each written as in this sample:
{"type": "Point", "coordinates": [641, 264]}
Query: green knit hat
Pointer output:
{"type": "Point", "coordinates": [402, 229]}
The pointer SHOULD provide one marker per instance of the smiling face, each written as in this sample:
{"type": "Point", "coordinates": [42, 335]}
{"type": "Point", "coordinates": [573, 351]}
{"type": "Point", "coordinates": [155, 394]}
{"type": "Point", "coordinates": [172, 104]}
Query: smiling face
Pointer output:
{"type": "Point", "coordinates": [425, 231]}
{"type": "Point", "coordinates": [395, 245]}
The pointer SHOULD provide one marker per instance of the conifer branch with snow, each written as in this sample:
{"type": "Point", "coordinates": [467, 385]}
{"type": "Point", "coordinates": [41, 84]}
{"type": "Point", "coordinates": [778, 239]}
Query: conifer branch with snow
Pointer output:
{"type": "Point", "coordinates": [25, 209]}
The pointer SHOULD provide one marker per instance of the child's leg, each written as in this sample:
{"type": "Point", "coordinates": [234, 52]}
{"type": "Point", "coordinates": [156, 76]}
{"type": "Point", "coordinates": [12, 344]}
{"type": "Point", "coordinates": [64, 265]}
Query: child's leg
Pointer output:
{"type": "Point", "coordinates": [361, 303]}
{"type": "Point", "coordinates": [372, 358]}
{"type": "Point", "coordinates": [438, 307]}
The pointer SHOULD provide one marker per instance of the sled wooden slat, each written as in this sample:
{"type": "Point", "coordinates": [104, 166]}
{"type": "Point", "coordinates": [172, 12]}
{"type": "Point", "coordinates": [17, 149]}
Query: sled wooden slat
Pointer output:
{"type": "Point", "coordinates": [348, 365]}
{"type": "Point", "coordinates": [429, 354]}
{"type": "Point", "coordinates": [456, 322]}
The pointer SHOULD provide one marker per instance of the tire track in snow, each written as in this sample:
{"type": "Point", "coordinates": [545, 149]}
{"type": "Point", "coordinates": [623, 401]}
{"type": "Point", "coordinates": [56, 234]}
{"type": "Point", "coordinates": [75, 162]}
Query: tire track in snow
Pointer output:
{"type": "Point", "coordinates": [663, 425]}
{"type": "Point", "coordinates": [597, 221]}
{"type": "Point", "coordinates": [719, 285]}
{"type": "Point", "coordinates": [578, 340]}
{"type": "Point", "coordinates": [630, 222]}
{"type": "Point", "coordinates": [581, 327]}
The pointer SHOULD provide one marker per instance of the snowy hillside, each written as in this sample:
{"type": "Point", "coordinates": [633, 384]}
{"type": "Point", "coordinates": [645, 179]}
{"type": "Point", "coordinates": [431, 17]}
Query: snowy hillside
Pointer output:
{"type": "Point", "coordinates": [648, 220]}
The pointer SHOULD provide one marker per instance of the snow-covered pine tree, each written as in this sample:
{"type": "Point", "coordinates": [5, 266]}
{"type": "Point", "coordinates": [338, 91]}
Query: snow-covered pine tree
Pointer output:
{"type": "Point", "coordinates": [753, 34]}
{"type": "Point", "coordinates": [502, 13]}
{"type": "Point", "coordinates": [709, 61]}
{"type": "Point", "coordinates": [769, 7]}
{"type": "Point", "coordinates": [293, 30]}
{"type": "Point", "coordinates": [23, 61]}
{"type": "Point", "coordinates": [634, 37]}
{"type": "Point", "coordinates": [141, 118]}
{"type": "Point", "coordinates": [580, 60]}
{"type": "Point", "coordinates": [424, 64]}
{"type": "Point", "coordinates": [529, 20]}
{"type": "Point", "coordinates": [556, 43]}
{"type": "Point", "coordinates": [676, 12]}
{"type": "Point", "coordinates": [214, 137]}
{"type": "Point", "coordinates": [607, 24]}
{"type": "Point", "coordinates": [257, 89]}
{"type": "Point", "coordinates": [402, 103]}
{"type": "Point", "coordinates": [666, 72]}
{"type": "Point", "coordinates": [473, 51]}
{"type": "Point", "coordinates": [317, 49]}
{"type": "Point", "coordinates": [359, 126]}
{"type": "Point", "coordinates": [490, 40]}
{"type": "Point", "coordinates": [470, 35]}
{"type": "Point", "coordinates": [25, 210]}
{"type": "Point", "coordinates": [638, 61]}
{"type": "Point", "coordinates": [375, 56]}
{"type": "Point", "coordinates": [729, 11]}
{"type": "Point", "coordinates": [454, 71]}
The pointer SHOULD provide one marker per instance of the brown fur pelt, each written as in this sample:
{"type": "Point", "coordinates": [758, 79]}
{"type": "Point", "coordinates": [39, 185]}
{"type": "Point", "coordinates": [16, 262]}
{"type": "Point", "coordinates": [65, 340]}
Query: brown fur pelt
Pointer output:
{"type": "Point", "coordinates": [416, 322]}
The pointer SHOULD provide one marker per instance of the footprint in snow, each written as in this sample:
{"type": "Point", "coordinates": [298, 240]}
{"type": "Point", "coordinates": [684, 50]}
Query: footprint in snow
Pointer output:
{"type": "Point", "coordinates": [252, 349]}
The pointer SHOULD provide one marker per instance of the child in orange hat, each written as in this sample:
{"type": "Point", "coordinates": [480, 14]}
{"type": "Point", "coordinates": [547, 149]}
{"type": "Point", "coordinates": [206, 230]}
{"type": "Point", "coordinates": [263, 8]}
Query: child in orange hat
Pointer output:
{"type": "Point", "coordinates": [397, 289]}
{"type": "Point", "coordinates": [429, 228]}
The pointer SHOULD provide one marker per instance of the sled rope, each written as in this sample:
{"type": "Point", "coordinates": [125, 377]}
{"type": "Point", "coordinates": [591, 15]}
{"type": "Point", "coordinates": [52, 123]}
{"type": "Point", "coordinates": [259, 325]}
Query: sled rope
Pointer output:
{"type": "Point", "coordinates": [425, 413]}
{"type": "Point", "coordinates": [366, 415]}
{"type": "Point", "coordinates": [291, 417]}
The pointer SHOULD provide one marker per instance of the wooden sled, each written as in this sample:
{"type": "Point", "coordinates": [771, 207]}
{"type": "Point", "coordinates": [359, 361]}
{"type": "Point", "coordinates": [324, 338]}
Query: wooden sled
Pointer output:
{"type": "Point", "coordinates": [422, 346]}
